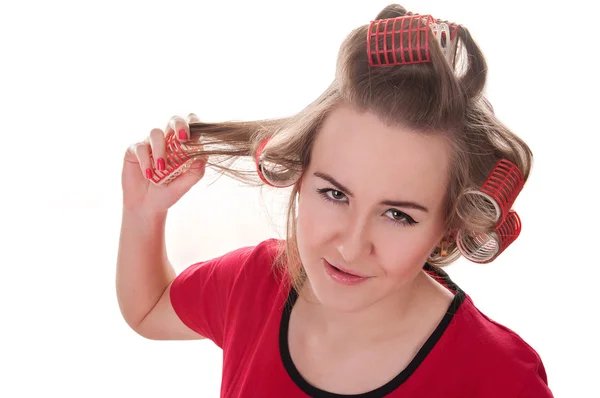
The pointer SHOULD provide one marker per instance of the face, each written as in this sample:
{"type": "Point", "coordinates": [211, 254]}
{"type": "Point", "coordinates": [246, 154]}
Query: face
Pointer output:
{"type": "Point", "coordinates": [371, 203]}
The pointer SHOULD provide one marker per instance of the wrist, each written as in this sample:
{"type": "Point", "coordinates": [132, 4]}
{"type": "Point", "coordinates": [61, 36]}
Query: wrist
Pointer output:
{"type": "Point", "coordinates": [144, 216]}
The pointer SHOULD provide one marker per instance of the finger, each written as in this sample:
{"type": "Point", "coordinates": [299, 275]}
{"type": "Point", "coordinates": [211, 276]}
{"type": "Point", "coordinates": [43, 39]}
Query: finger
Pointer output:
{"type": "Point", "coordinates": [158, 149]}
{"type": "Point", "coordinates": [142, 152]}
{"type": "Point", "coordinates": [130, 153]}
{"type": "Point", "coordinates": [179, 125]}
{"type": "Point", "coordinates": [192, 118]}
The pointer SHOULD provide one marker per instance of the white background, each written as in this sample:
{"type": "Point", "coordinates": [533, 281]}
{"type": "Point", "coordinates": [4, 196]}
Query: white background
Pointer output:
{"type": "Point", "coordinates": [81, 80]}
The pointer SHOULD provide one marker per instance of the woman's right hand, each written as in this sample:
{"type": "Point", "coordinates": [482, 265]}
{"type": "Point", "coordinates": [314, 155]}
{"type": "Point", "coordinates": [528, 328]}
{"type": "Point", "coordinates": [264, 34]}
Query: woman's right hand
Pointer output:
{"type": "Point", "coordinates": [139, 193]}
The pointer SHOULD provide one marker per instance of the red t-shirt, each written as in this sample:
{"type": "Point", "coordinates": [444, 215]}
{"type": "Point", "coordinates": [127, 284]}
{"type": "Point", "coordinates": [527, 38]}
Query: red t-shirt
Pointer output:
{"type": "Point", "coordinates": [239, 302]}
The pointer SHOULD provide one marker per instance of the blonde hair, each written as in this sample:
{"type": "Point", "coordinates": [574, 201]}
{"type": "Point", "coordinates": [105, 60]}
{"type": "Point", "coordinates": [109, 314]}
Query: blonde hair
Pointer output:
{"type": "Point", "coordinates": [440, 97]}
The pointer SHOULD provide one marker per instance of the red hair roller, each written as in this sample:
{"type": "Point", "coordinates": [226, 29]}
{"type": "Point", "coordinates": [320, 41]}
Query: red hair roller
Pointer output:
{"type": "Point", "coordinates": [177, 161]}
{"type": "Point", "coordinates": [399, 41]}
{"type": "Point", "coordinates": [257, 160]}
{"type": "Point", "coordinates": [483, 248]}
{"type": "Point", "coordinates": [503, 185]}
{"type": "Point", "coordinates": [405, 40]}
{"type": "Point", "coordinates": [271, 173]}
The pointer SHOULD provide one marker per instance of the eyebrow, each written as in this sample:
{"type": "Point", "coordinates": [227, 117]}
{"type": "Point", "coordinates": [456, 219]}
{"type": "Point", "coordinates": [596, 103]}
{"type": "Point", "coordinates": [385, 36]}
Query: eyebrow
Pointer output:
{"type": "Point", "coordinates": [395, 203]}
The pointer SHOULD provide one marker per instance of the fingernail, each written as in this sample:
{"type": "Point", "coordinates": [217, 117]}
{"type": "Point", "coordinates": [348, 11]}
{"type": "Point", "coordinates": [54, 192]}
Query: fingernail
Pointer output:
{"type": "Point", "coordinates": [160, 163]}
{"type": "Point", "coordinates": [148, 173]}
{"type": "Point", "coordinates": [182, 134]}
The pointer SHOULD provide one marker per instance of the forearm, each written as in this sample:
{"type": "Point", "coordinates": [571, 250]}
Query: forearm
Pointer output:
{"type": "Point", "coordinates": [143, 269]}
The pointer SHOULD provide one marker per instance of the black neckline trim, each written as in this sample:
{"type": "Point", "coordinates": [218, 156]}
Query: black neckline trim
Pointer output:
{"type": "Point", "coordinates": [438, 274]}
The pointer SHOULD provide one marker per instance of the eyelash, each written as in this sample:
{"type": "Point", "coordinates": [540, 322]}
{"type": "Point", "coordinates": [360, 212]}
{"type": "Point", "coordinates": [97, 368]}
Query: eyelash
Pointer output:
{"type": "Point", "coordinates": [407, 221]}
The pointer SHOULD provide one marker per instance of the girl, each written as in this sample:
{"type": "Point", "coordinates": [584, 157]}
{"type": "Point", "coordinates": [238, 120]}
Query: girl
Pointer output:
{"type": "Point", "coordinates": [393, 173]}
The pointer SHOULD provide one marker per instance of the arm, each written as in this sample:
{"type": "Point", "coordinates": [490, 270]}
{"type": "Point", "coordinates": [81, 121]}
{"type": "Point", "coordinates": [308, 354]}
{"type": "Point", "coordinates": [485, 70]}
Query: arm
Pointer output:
{"type": "Point", "coordinates": [144, 277]}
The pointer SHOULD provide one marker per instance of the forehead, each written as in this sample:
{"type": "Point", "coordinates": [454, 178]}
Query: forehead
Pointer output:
{"type": "Point", "coordinates": [363, 153]}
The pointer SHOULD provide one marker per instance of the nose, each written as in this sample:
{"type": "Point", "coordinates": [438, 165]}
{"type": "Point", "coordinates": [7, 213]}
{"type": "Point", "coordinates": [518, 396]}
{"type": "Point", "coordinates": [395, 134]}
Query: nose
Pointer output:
{"type": "Point", "coordinates": [355, 243]}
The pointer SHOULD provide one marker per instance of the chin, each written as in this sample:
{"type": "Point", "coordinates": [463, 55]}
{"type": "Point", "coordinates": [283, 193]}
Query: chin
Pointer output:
{"type": "Point", "coordinates": [335, 291]}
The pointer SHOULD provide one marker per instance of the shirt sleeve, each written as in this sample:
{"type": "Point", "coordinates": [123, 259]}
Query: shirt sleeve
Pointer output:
{"type": "Point", "coordinates": [535, 387]}
{"type": "Point", "coordinates": [200, 294]}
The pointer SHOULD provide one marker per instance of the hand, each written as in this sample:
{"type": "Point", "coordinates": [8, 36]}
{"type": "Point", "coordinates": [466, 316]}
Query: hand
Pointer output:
{"type": "Point", "coordinates": [139, 193]}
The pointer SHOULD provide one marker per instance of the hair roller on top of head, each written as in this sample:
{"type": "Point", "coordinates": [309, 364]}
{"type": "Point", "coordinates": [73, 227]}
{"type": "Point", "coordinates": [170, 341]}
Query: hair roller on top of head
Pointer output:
{"type": "Point", "coordinates": [483, 248]}
{"type": "Point", "coordinates": [399, 41]}
{"type": "Point", "coordinates": [405, 40]}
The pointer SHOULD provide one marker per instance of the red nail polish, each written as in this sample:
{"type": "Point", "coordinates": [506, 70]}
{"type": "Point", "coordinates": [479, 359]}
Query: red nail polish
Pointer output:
{"type": "Point", "coordinates": [160, 163]}
{"type": "Point", "coordinates": [182, 134]}
{"type": "Point", "coordinates": [148, 173]}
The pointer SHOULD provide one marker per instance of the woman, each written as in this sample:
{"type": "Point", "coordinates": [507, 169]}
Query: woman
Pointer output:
{"type": "Point", "coordinates": [389, 172]}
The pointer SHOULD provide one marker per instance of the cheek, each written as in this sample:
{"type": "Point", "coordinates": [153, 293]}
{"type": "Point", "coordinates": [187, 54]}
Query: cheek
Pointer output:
{"type": "Point", "coordinates": [405, 254]}
{"type": "Point", "coordinates": [316, 221]}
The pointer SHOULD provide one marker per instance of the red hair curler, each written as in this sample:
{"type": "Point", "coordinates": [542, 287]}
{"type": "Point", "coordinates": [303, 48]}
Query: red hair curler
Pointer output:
{"type": "Point", "coordinates": [501, 189]}
{"type": "Point", "coordinates": [399, 41]}
{"type": "Point", "coordinates": [257, 160]}
{"type": "Point", "coordinates": [483, 248]}
{"type": "Point", "coordinates": [177, 161]}
{"type": "Point", "coordinates": [271, 173]}
{"type": "Point", "coordinates": [503, 185]}
{"type": "Point", "coordinates": [405, 40]}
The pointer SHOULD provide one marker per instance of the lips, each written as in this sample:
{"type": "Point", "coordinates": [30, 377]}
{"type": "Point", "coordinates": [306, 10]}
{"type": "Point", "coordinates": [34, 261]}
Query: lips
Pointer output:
{"type": "Point", "coordinates": [347, 271]}
{"type": "Point", "coordinates": [343, 276]}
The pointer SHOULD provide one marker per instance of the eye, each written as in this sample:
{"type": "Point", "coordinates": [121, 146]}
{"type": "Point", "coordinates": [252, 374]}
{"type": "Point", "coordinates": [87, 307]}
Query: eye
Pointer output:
{"type": "Point", "coordinates": [401, 218]}
{"type": "Point", "coordinates": [335, 194]}
{"type": "Point", "coordinates": [332, 195]}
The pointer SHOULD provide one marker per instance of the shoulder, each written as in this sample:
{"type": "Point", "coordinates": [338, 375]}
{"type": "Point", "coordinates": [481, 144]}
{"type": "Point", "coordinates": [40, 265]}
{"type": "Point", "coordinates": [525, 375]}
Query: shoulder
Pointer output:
{"type": "Point", "coordinates": [497, 352]}
{"type": "Point", "coordinates": [494, 338]}
{"type": "Point", "coordinates": [259, 283]}
{"type": "Point", "coordinates": [241, 261]}
{"type": "Point", "coordinates": [265, 250]}
{"type": "Point", "coordinates": [255, 268]}
{"type": "Point", "coordinates": [260, 259]}
{"type": "Point", "coordinates": [209, 295]}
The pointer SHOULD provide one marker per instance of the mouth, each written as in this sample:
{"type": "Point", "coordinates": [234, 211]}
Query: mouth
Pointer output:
{"type": "Point", "coordinates": [343, 275]}
{"type": "Point", "coordinates": [348, 272]}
